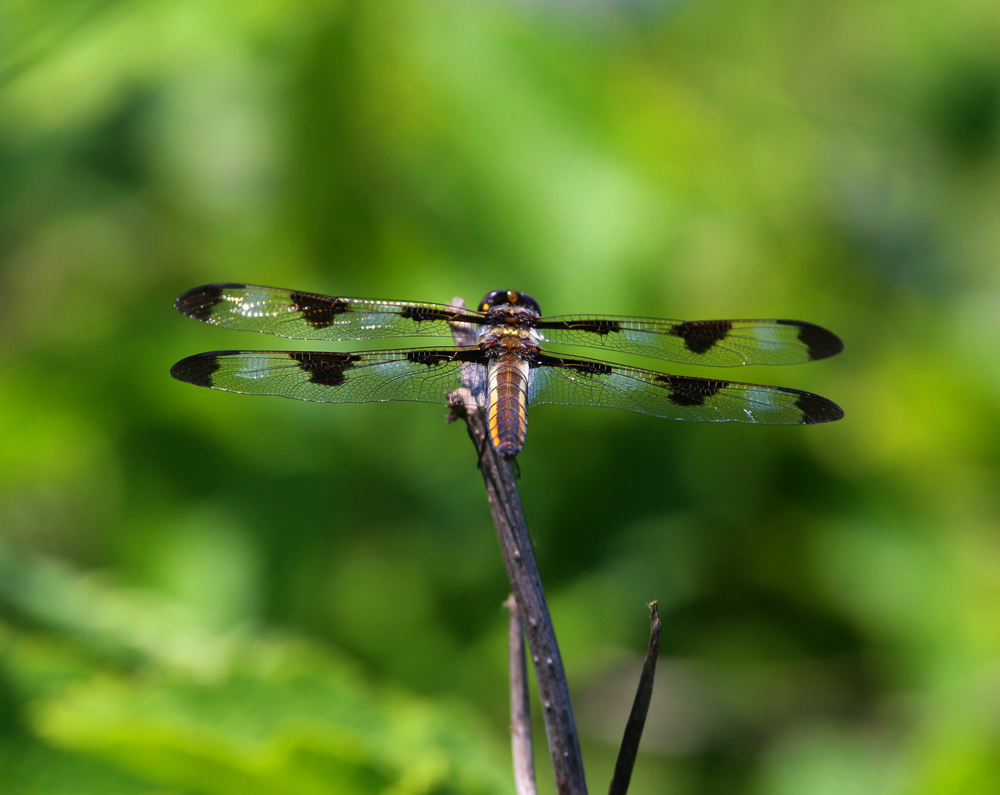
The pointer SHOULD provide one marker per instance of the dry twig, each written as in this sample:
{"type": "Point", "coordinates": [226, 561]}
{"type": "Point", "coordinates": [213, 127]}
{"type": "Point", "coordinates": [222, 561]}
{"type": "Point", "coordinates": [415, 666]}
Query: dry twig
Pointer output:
{"type": "Point", "coordinates": [522, 570]}
{"type": "Point", "coordinates": [520, 709]}
{"type": "Point", "coordinates": [637, 719]}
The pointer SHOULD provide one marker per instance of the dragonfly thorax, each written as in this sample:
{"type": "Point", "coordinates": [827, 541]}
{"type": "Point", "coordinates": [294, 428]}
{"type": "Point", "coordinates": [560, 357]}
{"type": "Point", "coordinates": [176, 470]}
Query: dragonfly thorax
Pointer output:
{"type": "Point", "coordinates": [508, 335]}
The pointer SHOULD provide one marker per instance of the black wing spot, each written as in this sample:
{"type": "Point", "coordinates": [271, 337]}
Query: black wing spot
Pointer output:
{"type": "Point", "coordinates": [817, 409]}
{"type": "Point", "coordinates": [602, 327]}
{"type": "Point", "coordinates": [325, 369]}
{"type": "Point", "coordinates": [431, 358]}
{"type": "Point", "coordinates": [582, 366]}
{"type": "Point", "coordinates": [820, 343]}
{"type": "Point", "coordinates": [418, 314]}
{"type": "Point", "coordinates": [199, 303]}
{"type": "Point", "coordinates": [197, 370]}
{"type": "Point", "coordinates": [700, 336]}
{"type": "Point", "coordinates": [319, 311]}
{"type": "Point", "coordinates": [689, 391]}
{"type": "Point", "coordinates": [597, 325]}
{"type": "Point", "coordinates": [587, 368]}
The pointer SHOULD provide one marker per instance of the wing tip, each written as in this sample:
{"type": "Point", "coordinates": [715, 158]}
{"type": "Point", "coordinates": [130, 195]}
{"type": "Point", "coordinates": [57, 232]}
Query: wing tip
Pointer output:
{"type": "Point", "coordinates": [199, 302]}
{"type": "Point", "coordinates": [821, 343]}
{"type": "Point", "coordinates": [816, 409]}
{"type": "Point", "coordinates": [198, 369]}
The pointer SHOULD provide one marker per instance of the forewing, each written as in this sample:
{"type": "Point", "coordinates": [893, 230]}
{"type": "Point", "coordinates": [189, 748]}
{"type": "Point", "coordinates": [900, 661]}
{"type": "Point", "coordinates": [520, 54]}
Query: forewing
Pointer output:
{"type": "Point", "coordinates": [585, 382]}
{"type": "Point", "coordinates": [712, 342]}
{"type": "Point", "coordinates": [310, 316]}
{"type": "Point", "coordinates": [421, 374]}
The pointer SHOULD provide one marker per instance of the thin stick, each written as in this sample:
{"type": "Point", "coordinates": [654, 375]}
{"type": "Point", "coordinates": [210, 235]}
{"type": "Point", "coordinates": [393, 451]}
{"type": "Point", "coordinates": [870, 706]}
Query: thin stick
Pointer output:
{"type": "Point", "coordinates": [637, 719]}
{"type": "Point", "coordinates": [522, 570]}
{"type": "Point", "coordinates": [520, 709]}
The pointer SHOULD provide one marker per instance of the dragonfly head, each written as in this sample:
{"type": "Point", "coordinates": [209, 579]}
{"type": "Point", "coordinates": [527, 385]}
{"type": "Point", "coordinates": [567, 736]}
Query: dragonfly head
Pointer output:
{"type": "Point", "coordinates": [512, 298]}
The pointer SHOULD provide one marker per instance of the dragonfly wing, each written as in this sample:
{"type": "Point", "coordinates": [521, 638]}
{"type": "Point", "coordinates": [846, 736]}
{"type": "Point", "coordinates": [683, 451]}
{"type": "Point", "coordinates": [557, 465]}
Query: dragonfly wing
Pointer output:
{"type": "Point", "coordinates": [586, 382]}
{"type": "Point", "coordinates": [311, 316]}
{"type": "Point", "coordinates": [420, 374]}
{"type": "Point", "coordinates": [709, 342]}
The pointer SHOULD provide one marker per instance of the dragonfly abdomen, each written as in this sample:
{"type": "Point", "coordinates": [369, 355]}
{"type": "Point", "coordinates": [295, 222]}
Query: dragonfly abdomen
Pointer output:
{"type": "Point", "coordinates": [507, 416]}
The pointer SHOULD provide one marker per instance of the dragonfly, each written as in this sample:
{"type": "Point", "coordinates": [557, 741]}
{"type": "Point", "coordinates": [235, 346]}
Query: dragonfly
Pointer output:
{"type": "Point", "coordinates": [509, 368]}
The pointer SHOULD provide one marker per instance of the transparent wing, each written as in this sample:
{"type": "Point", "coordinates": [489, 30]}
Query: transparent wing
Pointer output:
{"type": "Point", "coordinates": [713, 342]}
{"type": "Point", "coordinates": [421, 374]}
{"type": "Point", "coordinates": [310, 316]}
{"type": "Point", "coordinates": [585, 382]}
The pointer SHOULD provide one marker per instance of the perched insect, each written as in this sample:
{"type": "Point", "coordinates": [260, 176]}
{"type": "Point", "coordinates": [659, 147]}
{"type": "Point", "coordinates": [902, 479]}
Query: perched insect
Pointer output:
{"type": "Point", "coordinates": [508, 366]}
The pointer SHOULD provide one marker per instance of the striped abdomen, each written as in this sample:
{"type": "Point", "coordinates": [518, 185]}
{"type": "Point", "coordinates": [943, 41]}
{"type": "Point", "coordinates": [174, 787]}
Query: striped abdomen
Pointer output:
{"type": "Point", "coordinates": [507, 415]}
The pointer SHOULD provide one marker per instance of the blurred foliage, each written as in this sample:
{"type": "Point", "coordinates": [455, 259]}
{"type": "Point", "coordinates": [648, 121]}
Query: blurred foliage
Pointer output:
{"type": "Point", "coordinates": [205, 593]}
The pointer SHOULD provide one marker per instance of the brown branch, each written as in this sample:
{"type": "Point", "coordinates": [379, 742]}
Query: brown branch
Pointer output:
{"type": "Point", "coordinates": [637, 719]}
{"type": "Point", "coordinates": [522, 570]}
{"type": "Point", "coordinates": [520, 709]}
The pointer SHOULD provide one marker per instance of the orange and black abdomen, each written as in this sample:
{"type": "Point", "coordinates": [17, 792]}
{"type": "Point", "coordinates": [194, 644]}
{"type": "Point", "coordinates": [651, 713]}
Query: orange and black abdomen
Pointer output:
{"type": "Point", "coordinates": [507, 415]}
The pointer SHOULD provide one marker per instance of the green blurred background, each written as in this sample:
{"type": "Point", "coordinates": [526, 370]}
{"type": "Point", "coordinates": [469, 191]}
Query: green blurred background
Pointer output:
{"type": "Point", "coordinates": [211, 594]}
